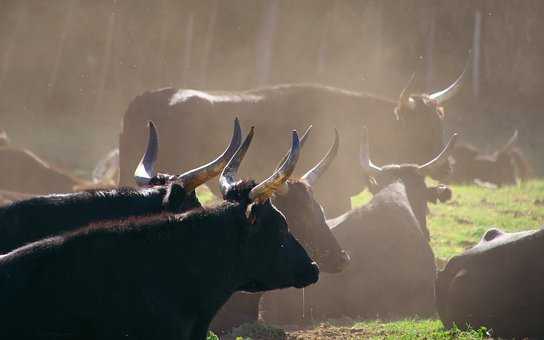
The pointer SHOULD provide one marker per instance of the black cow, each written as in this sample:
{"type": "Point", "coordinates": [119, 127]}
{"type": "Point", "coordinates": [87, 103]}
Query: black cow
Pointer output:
{"type": "Point", "coordinates": [414, 123]}
{"type": "Point", "coordinates": [307, 223]}
{"type": "Point", "coordinates": [158, 277]}
{"type": "Point", "coordinates": [35, 218]}
{"type": "Point", "coordinates": [503, 167]}
{"type": "Point", "coordinates": [496, 284]}
{"type": "Point", "coordinates": [392, 270]}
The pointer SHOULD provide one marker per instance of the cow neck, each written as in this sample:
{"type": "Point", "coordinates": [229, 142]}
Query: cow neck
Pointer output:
{"type": "Point", "coordinates": [217, 235]}
{"type": "Point", "coordinates": [418, 204]}
{"type": "Point", "coordinates": [402, 192]}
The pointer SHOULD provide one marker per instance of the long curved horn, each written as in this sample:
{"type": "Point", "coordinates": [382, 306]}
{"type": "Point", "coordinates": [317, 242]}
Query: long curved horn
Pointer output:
{"type": "Point", "coordinates": [314, 173]}
{"type": "Point", "coordinates": [229, 176]}
{"type": "Point", "coordinates": [441, 158]}
{"type": "Point", "coordinates": [404, 98]}
{"type": "Point", "coordinates": [267, 187]}
{"type": "Point", "coordinates": [302, 141]}
{"type": "Point", "coordinates": [364, 156]}
{"type": "Point", "coordinates": [146, 168]}
{"type": "Point", "coordinates": [453, 89]}
{"type": "Point", "coordinates": [193, 178]}
{"type": "Point", "coordinates": [511, 141]}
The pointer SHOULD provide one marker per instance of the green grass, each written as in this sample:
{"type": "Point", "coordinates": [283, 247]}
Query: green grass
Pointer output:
{"type": "Point", "coordinates": [414, 329]}
{"type": "Point", "coordinates": [409, 329]}
{"type": "Point", "coordinates": [454, 226]}
{"type": "Point", "coordinates": [461, 222]}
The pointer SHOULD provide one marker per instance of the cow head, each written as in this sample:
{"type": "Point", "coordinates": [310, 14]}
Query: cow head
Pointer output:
{"type": "Point", "coordinates": [295, 199]}
{"type": "Point", "coordinates": [420, 132]}
{"type": "Point", "coordinates": [181, 188]}
{"type": "Point", "coordinates": [412, 176]}
{"type": "Point", "coordinates": [274, 257]}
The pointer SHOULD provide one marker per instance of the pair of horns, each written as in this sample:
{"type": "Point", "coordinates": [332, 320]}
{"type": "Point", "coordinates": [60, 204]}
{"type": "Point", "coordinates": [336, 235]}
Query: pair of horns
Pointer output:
{"type": "Point", "coordinates": [314, 173]}
{"type": "Point", "coordinates": [190, 179]}
{"type": "Point", "coordinates": [425, 169]}
{"type": "Point", "coordinates": [439, 96]}
{"type": "Point", "coordinates": [266, 188]}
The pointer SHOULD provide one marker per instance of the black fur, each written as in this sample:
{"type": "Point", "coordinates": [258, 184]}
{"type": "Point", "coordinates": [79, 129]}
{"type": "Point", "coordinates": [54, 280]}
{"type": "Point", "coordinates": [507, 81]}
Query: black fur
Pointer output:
{"type": "Point", "coordinates": [158, 277]}
{"type": "Point", "coordinates": [35, 218]}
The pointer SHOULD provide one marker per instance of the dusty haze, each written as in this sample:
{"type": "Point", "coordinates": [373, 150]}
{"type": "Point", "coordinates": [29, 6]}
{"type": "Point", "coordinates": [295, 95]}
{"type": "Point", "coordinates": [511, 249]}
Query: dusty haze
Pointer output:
{"type": "Point", "coordinates": [69, 68]}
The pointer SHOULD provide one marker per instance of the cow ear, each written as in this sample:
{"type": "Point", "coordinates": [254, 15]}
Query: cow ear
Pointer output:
{"type": "Point", "coordinates": [175, 195]}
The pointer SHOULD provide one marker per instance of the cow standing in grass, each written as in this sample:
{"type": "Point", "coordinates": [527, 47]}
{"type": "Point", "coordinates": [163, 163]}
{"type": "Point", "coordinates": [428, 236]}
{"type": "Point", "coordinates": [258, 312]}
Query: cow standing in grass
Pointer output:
{"type": "Point", "coordinates": [392, 269]}
{"type": "Point", "coordinates": [414, 123]}
{"type": "Point", "coordinates": [496, 284]}
{"type": "Point", "coordinates": [307, 223]}
{"type": "Point", "coordinates": [156, 277]}
{"type": "Point", "coordinates": [34, 218]}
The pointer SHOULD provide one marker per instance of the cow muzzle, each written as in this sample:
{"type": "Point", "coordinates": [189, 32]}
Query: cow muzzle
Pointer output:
{"type": "Point", "coordinates": [309, 276]}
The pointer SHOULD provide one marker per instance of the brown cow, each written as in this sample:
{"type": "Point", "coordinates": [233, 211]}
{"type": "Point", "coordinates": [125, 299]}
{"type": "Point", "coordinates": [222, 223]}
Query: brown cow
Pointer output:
{"type": "Point", "coordinates": [496, 284]}
{"type": "Point", "coordinates": [414, 123]}
{"type": "Point", "coordinates": [23, 171]}
{"type": "Point", "coordinates": [392, 269]}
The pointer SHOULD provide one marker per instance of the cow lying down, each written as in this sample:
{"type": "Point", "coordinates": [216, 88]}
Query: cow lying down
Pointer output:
{"type": "Point", "coordinates": [505, 166]}
{"type": "Point", "coordinates": [392, 269]}
{"type": "Point", "coordinates": [156, 277]}
{"type": "Point", "coordinates": [497, 284]}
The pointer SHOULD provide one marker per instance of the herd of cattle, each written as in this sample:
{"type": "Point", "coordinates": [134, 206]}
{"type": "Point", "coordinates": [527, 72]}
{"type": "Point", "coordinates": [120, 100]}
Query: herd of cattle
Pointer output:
{"type": "Point", "coordinates": [147, 260]}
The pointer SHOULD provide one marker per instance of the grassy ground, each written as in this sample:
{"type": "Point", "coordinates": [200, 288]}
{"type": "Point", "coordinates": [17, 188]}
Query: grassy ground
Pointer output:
{"type": "Point", "coordinates": [353, 329]}
{"type": "Point", "coordinates": [454, 226]}
{"type": "Point", "coordinates": [461, 222]}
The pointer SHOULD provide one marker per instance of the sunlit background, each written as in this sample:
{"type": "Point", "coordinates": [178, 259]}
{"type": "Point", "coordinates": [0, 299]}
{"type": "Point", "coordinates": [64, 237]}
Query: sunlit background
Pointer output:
{"type": "Point", "coordinates": [69, 68]}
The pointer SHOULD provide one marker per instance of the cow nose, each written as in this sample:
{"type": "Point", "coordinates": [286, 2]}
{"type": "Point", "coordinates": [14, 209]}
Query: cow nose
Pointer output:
{"type": "Point", "coordinates": [338, 263]}
{"type": "Point", "coordinates": [309, 276]}
{"type": "Point", "coordinates": [313, 273]}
